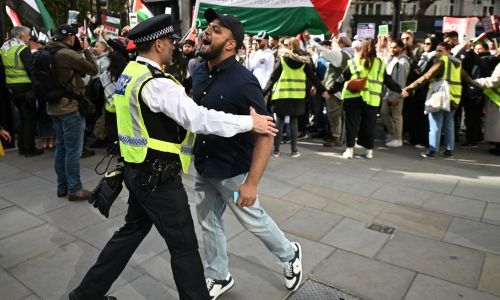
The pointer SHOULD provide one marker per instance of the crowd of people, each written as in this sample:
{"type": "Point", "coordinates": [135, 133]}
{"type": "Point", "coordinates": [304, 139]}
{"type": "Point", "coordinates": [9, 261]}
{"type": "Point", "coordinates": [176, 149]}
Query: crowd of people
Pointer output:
{"type": "Point", "coordinates": [244, 96]}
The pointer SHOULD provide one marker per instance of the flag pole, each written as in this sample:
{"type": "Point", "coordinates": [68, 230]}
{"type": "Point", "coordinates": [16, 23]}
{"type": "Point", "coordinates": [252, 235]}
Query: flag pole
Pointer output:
{"type": "Point", "coordinates": [2, 22]}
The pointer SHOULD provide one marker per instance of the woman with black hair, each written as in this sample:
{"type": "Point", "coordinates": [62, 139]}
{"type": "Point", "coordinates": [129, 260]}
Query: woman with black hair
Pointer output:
{"type": "Point", "coordinates": [418, 127]}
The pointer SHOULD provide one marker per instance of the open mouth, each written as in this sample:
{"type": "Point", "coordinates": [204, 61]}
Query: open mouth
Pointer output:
{"type": "Point", "coordinates": [206, 41]}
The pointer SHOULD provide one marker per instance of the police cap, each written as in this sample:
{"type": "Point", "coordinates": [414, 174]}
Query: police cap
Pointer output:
{"type": "Point", "coordinates": [152, 29]}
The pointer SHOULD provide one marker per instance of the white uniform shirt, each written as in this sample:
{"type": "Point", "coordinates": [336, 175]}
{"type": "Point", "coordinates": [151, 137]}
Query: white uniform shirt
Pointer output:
{"type": "Point", "coordinates": [262, 65]}
{"type": "Point", "coordinates": [165, 96]}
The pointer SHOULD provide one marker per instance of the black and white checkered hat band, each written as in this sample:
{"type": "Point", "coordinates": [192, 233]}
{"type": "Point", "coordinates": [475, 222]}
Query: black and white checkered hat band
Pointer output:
{"type": "Point", "coordinates": [155, 35]}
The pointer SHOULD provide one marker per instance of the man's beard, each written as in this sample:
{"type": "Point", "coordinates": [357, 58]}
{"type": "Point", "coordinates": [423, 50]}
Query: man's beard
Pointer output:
{"type": "Point", "coordinates": [212, 53]}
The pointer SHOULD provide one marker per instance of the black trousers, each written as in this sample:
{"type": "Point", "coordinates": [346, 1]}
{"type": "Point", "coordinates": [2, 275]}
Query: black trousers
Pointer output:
{"type": "Point", "coordinates": [417, 121]}
{"type": "Point", "coordinates": [167, 209]}
{"type": "Point", "coordinates": [360, 121]}
{"type": "Point", "coordinates": [24, 99]}
{"type": "Point", "coordinates": [473, 109]}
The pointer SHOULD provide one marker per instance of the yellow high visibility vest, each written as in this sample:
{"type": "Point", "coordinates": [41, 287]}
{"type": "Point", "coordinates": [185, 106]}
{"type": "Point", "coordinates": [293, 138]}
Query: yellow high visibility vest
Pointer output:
{"type": "Point", "coordinates": [372, 93]}
{"type": "Point", "coordinates": [452, 74]}
{"type": "Point", "coordinates": [292, 83]}
{"type": "Point", "coordinates": [132, 133]}
{"type": "Point", "coordinates": [14, 67]}
{"type": "Point", "coordinates": [493, 94]}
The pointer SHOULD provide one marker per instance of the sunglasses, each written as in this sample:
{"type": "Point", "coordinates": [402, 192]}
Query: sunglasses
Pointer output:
{"type": "Point", "coordinates": [286, 45]}
{"type": "Point", "coordinates": [427, 43]}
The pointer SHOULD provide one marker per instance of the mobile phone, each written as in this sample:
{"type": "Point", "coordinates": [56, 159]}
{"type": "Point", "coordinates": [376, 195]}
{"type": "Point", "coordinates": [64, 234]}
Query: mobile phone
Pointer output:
{"type": "Point", "coordinates": [236, 195]}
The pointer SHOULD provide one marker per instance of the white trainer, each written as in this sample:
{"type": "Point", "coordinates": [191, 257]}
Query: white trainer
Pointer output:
{"type": "Point", "coordinates": [348, 153]}
{"type": "Point", "coordinates": [218, 287]}
{"type": "Point", "coordinates": [293, 269]}
{"type": "Point", "coordinates": [394, 143]}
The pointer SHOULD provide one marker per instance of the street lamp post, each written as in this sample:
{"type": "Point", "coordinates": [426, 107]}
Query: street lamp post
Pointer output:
{"type": "Point", "coordinates": [396, 18]}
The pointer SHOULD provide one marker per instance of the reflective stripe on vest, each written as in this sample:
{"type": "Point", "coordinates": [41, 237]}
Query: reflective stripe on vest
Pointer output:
{"type": "Point", "coordinates": [372, 92]}
{"type": "Point", "coordinates": [452, 75]}
{"type": "Point", "coordinates": [14, 67]}
{"type": "Point", "coordinates": [292, 83]}
{"type": "Point", "coordinates": [493, 94]}
{"type": "Point", "coordinates": [132, 133]}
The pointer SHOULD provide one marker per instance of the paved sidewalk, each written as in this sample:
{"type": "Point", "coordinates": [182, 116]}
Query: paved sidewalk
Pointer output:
{"type": "Point", "coordinates": [446, 213]}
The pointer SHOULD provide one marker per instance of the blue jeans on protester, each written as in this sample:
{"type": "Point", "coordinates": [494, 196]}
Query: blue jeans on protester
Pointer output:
{"type": "Point", "coordinates": [441, 120]}
{"type": "Point", "coordinates": [213, 196]}
{"type": "Point", "coordinates": [69, 144]}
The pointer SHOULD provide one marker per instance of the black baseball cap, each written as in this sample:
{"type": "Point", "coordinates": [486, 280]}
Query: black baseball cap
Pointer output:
{"type": "Point", "coordinates": [64, 31]}
{"type": "Point", "coordinates": [230, 22]}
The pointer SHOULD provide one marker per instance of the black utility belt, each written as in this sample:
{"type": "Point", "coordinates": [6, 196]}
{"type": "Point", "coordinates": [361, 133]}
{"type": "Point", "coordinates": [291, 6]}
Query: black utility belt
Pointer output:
{"type": "Point", "coordinates": [157, 171]}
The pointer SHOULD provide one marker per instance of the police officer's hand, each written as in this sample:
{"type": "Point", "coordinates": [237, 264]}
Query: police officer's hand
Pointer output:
{"type": "Point", "coordinates": [247, 195]}
{"type": "Point", "coordinates": [262, 123]}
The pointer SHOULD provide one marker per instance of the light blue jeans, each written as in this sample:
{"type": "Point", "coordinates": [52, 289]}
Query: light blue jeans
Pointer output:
{"type": "Point", "coordinates": [214, 195]}
{"type": "Point", "coordinates": [441, 120]}
{"type": "Point", "coordinates": [69, 130]}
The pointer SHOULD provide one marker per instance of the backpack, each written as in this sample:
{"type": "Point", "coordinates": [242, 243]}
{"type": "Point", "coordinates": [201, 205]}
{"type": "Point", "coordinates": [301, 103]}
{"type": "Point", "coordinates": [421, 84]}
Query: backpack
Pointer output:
{"type": "Point", "coordinates": [43, 76]}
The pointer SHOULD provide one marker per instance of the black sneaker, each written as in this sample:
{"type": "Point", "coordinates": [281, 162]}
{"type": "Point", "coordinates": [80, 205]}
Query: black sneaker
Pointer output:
{"type": "Point", "coordinates": [447, 154]}
{"type": "Point", "coordinates": [293, 269]}
{"type": "Point", "coordinates": [218, 287]}
{"type": "Point", "coordinates": [428, 154]}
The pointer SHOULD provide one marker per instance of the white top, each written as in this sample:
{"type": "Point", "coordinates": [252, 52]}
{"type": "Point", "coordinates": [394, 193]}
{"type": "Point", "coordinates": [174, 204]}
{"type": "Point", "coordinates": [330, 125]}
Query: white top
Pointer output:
{"type": "Point", "coordinates": [262, 65]}
{"type": "Point", "coordinates": [165, 96]}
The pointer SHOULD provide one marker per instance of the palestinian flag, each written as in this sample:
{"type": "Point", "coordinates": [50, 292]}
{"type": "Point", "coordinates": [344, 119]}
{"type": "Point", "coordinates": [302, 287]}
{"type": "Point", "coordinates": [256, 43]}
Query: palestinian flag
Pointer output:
{"type": "Point", "coordinates": [14, 18]}
{"type": "Point", "coordinates": [33, 12]}
{"type": "Point", "coordinates": [281, 17]}
{"type": "Point", "coordinates": [143, 13]}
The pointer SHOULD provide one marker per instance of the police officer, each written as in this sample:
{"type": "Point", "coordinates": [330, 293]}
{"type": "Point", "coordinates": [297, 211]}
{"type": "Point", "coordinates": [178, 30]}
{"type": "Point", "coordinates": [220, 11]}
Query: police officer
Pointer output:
{"type": "Point", "coordinates": [152, 108]}
{"type": "Point", "coordinates": [16, 56]}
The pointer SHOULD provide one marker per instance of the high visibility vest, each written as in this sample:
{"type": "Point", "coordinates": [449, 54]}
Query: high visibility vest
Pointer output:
{"type": "Point", "coordinates": [372, 93]}
{"type": "Point", "coordinates": [109, 108]}
{"type": "Point", "coordinates": [493, 94]}
{"type": "Point", "coordinates": [452, 74]}
{"type": "Point", "coordinates": [14, 67]}
{"type": "Point", "coordinates": [132, 133]}
{"type": "Point", "coordinates": [292, 83]}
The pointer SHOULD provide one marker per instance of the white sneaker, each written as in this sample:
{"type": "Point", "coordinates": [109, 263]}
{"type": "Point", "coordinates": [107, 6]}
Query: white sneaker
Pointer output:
{"type": "Point", "coordinates": [394, 143]}
{"type": "Point", "coordinates": [293, 269]}
{"type": "Point", "coordinates": [348, 153]}
{"type": "Point", "coordinates": [368, 154]}
{"type": "Point", "coordinates": [218, 287]}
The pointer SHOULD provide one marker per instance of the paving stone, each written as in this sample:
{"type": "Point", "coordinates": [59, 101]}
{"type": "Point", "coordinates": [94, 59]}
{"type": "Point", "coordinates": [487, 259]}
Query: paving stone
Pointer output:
{"type": "Point", "coordinates": [28, 244]}
{"type": "Point", "coordinates": [248, 247]}
{"type": "Point", "coordinates": [457, 206]}
{"type": "Point", "coordinates": [76, 216]}
{"type": "Point", "coordinates": [14, 220]}
{"type": "Point", "coordinates": [99, 234]}
{"type": "Point", "coordinates": [278, 209]}
{"type": "Point", "coordinates": [10, 190]}
{"type": "Point", "coordinates": [412, 220]}
{"type": "Point", "coordinates": [420, 180]}
{"type": "Point", "coordinates": [54, 274]}
{"type": "Point", "coordinates": [312, 196]}
{"type": "Point", "coordinates": [11, 174]}
{"type": "Point", "coordinates": [490, 278]}
{"type": "Point", "coordinates": [449, 262]}
{"type": "Point", "coordinates": [426, 287]}
{"type": "Point", "coordinates": [276, 187]}
{"type": "Point", "coordinates": [145, 288]}
{"type": "Point", "coordinates": [10, 288]}
{"type": "Point", "coordinates": [32, 297]}
{"type": "Point", "coordinates": [340, 182]}
{"type": "Point", "coordinates": [492, 214]}
{"type": "Point", "coordinates": [40, 200]}
{"type": "Point", "coordinates": [159, 268]}
{"type": "Point", "coordinates": [474, 235]}
{"type": "Point", "coordinates": [478, 191]}
{"type": "Point", "coordinates": [364, 277]}
{"type": "Point", "coordinates": [300, 223]}
{"type": "Point", "coordinates": [354, 236]}
{"type": "Point", "coordinates": [404, 195]}
{"type": "Point", "coordinates": [254, 281]}
{"type": "Point", "coordinates": [4, 203]}
{"type": "Point", "coordinates": [356, 207]}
